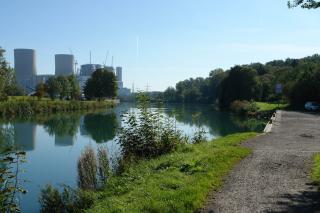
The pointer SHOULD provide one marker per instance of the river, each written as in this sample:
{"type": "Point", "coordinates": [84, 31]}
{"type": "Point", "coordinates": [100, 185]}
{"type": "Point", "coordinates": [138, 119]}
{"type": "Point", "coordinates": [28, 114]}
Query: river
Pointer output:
{"type": "Point", "coordinates": [54, 143]}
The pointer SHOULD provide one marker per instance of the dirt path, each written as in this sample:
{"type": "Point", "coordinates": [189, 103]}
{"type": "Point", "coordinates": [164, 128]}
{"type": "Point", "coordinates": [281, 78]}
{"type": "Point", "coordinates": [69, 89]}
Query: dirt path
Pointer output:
{"type": "Point", "coordinates": [275, 178]}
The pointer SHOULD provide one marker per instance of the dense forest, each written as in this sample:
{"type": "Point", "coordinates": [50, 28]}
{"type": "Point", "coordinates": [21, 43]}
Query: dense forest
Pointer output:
{"type": "Point", "coordinates": [299, 78]}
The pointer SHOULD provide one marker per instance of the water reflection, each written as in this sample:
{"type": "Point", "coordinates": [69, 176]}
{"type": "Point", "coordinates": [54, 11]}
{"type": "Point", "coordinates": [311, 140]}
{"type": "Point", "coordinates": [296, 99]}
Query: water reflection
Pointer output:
{"type": "Point", "coordinates": [62, 125]}
{"type": "Point", "coordinates": [67, 140]}
{"type": "Point", "coordinates": [218, 123]}
{"type": "Point", "coordinates": [24, 135]}
{"type": "Point", "coordinates": [100, 127]}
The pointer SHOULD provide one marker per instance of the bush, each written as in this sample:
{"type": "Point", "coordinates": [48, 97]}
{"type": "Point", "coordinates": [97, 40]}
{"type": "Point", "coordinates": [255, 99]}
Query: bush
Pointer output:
{"type": "Point", "coordinates": [68, 201]}
{"type": "Point", "coordinates": [243, 107]}
{"type": "Point", "coordinates": [93, 169]}
{"type": "Point", "coordinates": [87, 169]}
{"type": "Point", "coordinates": [146, 133]}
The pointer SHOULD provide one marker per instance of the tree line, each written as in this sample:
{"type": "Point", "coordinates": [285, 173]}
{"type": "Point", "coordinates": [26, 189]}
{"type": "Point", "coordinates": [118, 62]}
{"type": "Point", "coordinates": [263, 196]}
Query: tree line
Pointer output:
{"type": "Point", "coordinates": [8, 83]}
{"type": "Point", "coordinates": [300, 80]}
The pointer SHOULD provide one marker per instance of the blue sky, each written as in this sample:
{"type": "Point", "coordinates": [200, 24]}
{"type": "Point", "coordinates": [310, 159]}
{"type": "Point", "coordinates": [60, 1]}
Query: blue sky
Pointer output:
{"type": "Point", "coordinates": [159, 42]}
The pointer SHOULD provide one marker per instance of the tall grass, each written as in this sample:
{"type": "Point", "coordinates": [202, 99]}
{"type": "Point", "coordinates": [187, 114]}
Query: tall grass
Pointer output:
{"type": "Point", "coordinates": [30, 106]}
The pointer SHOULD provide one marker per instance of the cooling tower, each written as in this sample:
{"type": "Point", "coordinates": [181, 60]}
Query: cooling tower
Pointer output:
{"type": "Point", "coordinates": [25, 67]}
{"type": "Point", "coordinates": [64, 64]}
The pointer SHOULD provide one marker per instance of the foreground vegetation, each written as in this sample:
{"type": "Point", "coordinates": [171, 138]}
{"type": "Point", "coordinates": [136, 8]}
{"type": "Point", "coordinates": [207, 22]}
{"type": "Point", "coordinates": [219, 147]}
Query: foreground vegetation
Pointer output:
{"type": "Point", "coordinates": [179, 181]}
{"type": "Point", "coordinates": [27, 106]}
{"type": "Point", "coordinates": [176, 182]}
{"type": "Point", "coordinates": [315, 175]}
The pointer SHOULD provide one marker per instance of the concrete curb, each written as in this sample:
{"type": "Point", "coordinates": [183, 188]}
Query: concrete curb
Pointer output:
{"type": "Point", "coordinates": [275, 117]}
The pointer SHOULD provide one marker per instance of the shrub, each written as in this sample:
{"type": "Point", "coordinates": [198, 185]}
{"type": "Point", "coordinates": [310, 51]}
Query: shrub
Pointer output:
{"type": "Point", "coordinates": [10, 184]}
{"type": "Point", "coordinates": [199, 135]}
{"type": "Point", "coordinates": [87, 169]}
{"type": "Point", "coordinates": [243, 107]}
{"type": "Point", "coordinates": [146, 133]}
{"type": "Point", "coordinates": [93, 169]}
{"type": "Point", "coordinates": [67, 201]}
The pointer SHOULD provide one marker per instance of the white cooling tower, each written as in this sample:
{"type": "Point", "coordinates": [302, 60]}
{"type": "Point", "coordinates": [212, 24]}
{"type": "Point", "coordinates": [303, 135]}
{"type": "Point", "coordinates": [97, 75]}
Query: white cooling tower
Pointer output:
{"type": "Point", "coordinates": [25, 67]}
{"type": "Point", "coordinates": [64, 64]}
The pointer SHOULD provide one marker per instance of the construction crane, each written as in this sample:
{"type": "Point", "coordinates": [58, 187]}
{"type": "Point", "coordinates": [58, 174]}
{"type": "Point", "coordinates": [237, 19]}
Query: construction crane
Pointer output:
{"type": "Point", "coordinates": [105, 61]}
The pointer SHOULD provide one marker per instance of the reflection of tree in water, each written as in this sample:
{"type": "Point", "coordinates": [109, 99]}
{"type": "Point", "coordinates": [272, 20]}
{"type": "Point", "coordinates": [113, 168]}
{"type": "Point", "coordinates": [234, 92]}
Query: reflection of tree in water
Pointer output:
{"type": "Point", "coordinates": [219, 123]}
{"type": "Point", "coordinates": [101, 127]}
{"type": "Point", "coordinates": [6, 137]}
{"type": "Point", "coordinates": [62, 125]}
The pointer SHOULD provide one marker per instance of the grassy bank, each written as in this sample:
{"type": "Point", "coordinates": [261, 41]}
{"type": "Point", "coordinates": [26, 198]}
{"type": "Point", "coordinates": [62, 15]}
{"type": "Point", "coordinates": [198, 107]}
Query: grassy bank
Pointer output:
{"type": "Point", "coordinates": [176, 182]}
{"type": "Point", "coordinates": [315, 175]}
{"type": "Point", "coordinates": [26, 106]}
{"type": "Point", "coordinates": [264, 106]}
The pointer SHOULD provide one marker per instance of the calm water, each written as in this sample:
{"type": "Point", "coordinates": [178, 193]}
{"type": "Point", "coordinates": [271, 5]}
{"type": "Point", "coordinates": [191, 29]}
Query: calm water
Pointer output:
{"type": "Point", "coordinates": [53, 144]}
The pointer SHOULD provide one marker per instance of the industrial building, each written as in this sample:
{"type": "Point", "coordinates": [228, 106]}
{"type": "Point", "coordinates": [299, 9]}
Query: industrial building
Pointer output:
{"type": "Point", "coordinates": [25, 68]}
{"type": "Point", "coordinates": [65, 65]}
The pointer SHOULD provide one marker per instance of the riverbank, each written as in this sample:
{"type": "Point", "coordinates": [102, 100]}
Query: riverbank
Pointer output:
{"type": "Point", "coordinates": [176, 182]}
{"type": "Point", "coordinates": [28, 106]}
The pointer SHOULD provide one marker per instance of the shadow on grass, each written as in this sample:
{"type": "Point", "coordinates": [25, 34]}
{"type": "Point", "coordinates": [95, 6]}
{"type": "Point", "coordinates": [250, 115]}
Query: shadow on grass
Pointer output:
{"type": "Point", "coordinates": [305, 201]}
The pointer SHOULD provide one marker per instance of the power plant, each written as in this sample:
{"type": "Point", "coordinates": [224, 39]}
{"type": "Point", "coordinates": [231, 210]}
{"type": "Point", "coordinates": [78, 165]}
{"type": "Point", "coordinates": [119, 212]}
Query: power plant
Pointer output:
{"type": "Point", "coordinates": [65, 65]}
{"type": "Point", "coordinates": [25, 67]}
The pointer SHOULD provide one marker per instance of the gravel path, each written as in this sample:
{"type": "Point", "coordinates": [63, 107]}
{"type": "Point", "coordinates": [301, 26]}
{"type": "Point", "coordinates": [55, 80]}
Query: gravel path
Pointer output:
{"type": "Point", "coordinates": [275, 177]}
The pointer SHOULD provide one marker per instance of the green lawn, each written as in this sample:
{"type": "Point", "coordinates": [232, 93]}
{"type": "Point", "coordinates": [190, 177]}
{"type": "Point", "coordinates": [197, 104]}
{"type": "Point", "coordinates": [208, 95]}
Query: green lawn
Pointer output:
{"type": "Point", "coordinates": [315, 175]}
{"type": "Point", "coordinates": [176, 182]}
{"type": "Point", "coordinates": [263, 106]}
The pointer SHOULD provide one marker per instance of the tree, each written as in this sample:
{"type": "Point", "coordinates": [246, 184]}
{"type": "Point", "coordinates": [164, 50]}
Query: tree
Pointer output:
{"type": "Point", "coordinates": [306, 88]}
{"type": "Point", "coordinates": [64, 87]}
{"type": "Point", "coordinates": [102, 84]}
{"type": "Point", "coordinates": [241, 84]}
{"type": "Point", "coordinates": [215, 78]}
{"type": "Point", "coordinates": [308, 4]}
{"type": "Point", "coordinates": [40, 90]}
{"type": "Point", "coordinates": [74, 87]}
{"type": "Point", "coordinates": [8, 83]}
{"type": "Point", "coordinates": [170, 95]}
{"type": "Point", "coordinates": [52, 87]}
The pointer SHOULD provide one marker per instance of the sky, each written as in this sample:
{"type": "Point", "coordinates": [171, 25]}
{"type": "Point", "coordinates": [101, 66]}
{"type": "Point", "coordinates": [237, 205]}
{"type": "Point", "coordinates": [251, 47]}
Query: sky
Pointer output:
{"type": "Point", "coordinates": [159, 42]}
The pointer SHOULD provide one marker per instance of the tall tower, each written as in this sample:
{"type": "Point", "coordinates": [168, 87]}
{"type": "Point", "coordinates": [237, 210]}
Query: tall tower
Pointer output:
{"type": "Point", "coordinates": [119, 77]}
{"type": "Point", "coordinates": [25, 68]}
{"type": "Point", "coordinates": [64, 64]}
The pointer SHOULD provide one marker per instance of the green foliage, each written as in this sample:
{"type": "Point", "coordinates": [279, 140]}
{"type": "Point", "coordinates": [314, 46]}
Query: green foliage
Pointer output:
{"type": "Point", "coordinates": [306, 87]}
{"type": "Point", "coordinates": [175, 182]}
{"type": "Point", "coordinates": [8, 83]}
{"type": "Point", "coordinates": [93, 173]}
{"type": "Point", "coordinates": [262, 106]}
{"type": "Point", "coordinates": [241, 84]}
{"type": "Point", "coordinates": [40, 90]}
{"type": "Point", "coordinates": [87, 169]}
{"type": "Point", "coordinates": [93, 169]}
{"type": "Point", "coordinates": [67, 201]}
{"type": "Point", "coordinates": [147, 134]}
{"type": "Point", "coordinates": [299, 79]}
{"type": "Point", "coordinates": [101, 128]}
{"type": "Point", "coordinates": [308, 4]}
{"type": "Point", "coordinates": [199, 135]}
{"type": "Point", "coordinates": [102, 84]}
{"type": "Point", "coordinates": [64, 87]}
{"type": "Point", "coordinates": [244, 107]}
{"type": "Point", "coordinates": [27, 106]}
{"type": "Point", "coordinates": [315, 174]}
{"type": "Point", "coordinates": [10, 183]}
